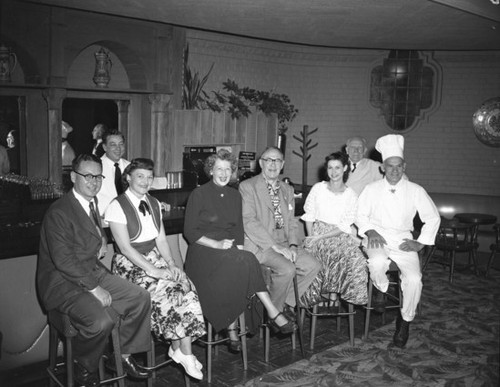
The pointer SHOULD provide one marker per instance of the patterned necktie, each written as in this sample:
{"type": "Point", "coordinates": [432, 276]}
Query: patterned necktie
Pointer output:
{"type": "Point", "coordinates": [143, 207]}
{"type": "Point", "coordinates": [118, 179]}
{"type": "Point", "coordinates": [279, 223]}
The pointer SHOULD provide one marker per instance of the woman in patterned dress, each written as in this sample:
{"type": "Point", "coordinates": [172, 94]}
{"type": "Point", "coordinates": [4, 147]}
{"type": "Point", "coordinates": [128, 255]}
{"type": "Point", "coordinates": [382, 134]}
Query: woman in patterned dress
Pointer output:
{"type": "Point", "coordinates": [330, 210]}
{"type": "Point", "coordinates": [144, 258]}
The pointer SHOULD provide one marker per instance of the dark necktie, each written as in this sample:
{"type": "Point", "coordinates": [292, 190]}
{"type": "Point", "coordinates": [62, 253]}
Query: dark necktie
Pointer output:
{"type": "Point", "coordinates": [118, 179]}
{"type": "Point", "coordinates": [143, 207]}
{"type": "Point", "coordinates": [95, 218]}
{"type": "Point", "coordinates": [97, 223]}
{"type": "Point", "coordinates": [353, 167]}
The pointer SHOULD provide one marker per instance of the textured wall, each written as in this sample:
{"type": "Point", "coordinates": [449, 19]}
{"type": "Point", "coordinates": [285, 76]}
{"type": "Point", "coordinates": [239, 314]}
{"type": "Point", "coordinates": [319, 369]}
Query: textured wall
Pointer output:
{"type": "Point", "coordinates": [330, 87]}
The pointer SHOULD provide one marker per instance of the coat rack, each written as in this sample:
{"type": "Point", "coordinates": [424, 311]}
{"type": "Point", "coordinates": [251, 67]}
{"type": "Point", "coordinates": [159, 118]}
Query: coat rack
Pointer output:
{"type": "Point", "coordinates": [305, 148]}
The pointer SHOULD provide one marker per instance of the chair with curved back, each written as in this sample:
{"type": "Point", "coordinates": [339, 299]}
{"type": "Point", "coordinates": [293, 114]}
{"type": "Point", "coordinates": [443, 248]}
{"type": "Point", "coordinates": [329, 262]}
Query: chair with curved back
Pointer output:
{"type": "Point", "coordinates": [453, 237]}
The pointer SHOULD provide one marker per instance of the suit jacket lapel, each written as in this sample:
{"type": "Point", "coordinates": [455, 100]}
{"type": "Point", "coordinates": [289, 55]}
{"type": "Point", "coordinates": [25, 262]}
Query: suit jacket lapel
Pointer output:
{"type": "Point", "coordinates": [86, 223]}
{"type": "Point", "coordinates": [263, 193]}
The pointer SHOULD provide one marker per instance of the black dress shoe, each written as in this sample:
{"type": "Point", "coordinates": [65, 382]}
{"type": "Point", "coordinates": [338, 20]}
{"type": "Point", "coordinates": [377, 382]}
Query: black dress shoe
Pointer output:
{"type": "Point", "coordinates": [84, 377]}
{"type": "Point", "coordinates": [402, 332]}
{"type": "Point", "coordinates": [285, 329]}
{"type": "Point", "coordinates": [133, 369]}
{"type": "Point", "coordinates": [378, 301]}
{"type": "Point", "coordinates": [234, 346]}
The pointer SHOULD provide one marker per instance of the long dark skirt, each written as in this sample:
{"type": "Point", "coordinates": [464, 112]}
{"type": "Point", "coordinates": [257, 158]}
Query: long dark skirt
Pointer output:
{"type": "Point", "coordinates": [226, 280]}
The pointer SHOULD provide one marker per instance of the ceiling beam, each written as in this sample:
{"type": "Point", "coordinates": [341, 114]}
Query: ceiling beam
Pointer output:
{"type": "Point", "coordinates": [487, 9]}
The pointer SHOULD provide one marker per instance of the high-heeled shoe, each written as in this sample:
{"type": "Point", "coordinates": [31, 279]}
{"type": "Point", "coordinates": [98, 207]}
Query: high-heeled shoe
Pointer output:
{"type": "Point", "coordinates": [285, 329]}
{"type": "Point", "coordinates": [234, 346]}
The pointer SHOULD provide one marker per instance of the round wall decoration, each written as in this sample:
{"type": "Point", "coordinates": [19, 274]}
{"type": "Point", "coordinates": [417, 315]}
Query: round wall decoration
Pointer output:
{"type": "Point", "coordinates": [486, 122]}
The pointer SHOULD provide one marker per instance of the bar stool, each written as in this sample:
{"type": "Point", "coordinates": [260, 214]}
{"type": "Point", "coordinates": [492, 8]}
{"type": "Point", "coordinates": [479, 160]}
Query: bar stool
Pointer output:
{"type": "Point", "coordinates": [60, 327]}
{"type": "Point", "coordinates": [152, 366]}
{"type": "Point", "coordinates": [397, 301]}
{"type": "Point", "coordinates": [266, 273]}
{"type": "Point", "coordinates": [332, 311]}
{"type": "Point", "coordinates": [213, 340]}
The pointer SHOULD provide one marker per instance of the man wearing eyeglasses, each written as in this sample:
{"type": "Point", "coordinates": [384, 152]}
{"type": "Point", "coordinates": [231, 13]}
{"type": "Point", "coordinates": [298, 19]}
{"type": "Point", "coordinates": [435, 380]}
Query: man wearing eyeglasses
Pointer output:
{"type": "Point", "coordinates": [113, 165]}
{"type": "Point", "coordinates": [272, 231]}
{"type": "Point", "coordinates": [71, 278]}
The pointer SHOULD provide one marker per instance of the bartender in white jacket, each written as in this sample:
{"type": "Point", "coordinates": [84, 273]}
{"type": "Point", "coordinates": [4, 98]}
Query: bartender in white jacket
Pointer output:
{"type": "Point", "coordinates": [386, 209]}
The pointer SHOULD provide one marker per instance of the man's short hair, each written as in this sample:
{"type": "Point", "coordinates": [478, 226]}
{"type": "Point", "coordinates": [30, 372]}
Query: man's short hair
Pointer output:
{"type": "Point", "coordinates": [75, 164]}
{"type": "Point", "coordinates": [112, 132]}
{"type": "Point", "coordinates": [271, 148]}
{"type": "Point", "coordinates": [362, 139]}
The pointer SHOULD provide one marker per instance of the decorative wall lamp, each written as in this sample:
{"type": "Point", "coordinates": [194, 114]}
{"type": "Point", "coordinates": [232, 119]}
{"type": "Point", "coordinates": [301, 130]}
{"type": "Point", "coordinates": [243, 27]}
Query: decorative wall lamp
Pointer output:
{"type": "Point", "coordinates": [8, 62]}
{"type": "Point", "coordinates": [486, 122]}
{"type": "Point", "coordinates": [102, 68]}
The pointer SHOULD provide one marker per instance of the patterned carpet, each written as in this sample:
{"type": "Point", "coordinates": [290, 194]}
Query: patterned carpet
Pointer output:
{"type": "Point", "coordinates": [455, 342]}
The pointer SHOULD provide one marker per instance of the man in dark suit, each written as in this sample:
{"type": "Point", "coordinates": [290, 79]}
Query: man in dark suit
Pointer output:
{"type": "Point", "coordinates": [272, 231]}
{"type": "Point", "coordinates": [72, 279]}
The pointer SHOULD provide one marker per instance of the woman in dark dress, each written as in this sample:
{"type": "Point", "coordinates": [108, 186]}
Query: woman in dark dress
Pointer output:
{"type": "Point", "coordinates": [225, 275]}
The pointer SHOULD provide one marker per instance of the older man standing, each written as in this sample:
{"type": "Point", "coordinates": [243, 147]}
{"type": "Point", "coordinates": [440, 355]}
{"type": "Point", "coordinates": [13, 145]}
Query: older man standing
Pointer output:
{"type": "Point", "coordinates": [272, 231]}
{"type": "Point", "coordinates": [386, 209]}
{"type": "Point", "coordinates": [363, 171]}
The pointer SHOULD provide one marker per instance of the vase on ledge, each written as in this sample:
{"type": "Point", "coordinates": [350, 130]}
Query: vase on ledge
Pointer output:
{"type": "Point", "coordinates": [281, 143]}
{"type": "Point", "coordinates": [8, 61]}
{"type": "Point", "coordinates": [102, 68]}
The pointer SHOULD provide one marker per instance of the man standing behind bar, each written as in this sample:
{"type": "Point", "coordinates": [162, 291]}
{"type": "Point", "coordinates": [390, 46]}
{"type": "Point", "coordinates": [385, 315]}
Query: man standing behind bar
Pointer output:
{"type": "Point", "coordinates": [272, 231]}
{"type": "Point", "coordinates": [363, 171]}
{"type": "Point", "coordinates": [72, 280]}
{"type": "Point", "coordinates": [386, 209]}
{"type": "Point", "coordinates": [113, 166]}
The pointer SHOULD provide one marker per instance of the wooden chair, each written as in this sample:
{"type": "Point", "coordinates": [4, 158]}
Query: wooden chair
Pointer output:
{"type": "Point", "coordinates": [213, 340]}
{"type": "Point", "coordinates": [453, 237]}
{"type": "Point", "coordinates": [60, 327]}
{"type": "Point", "coordinates": [495, 248]}
{"type": "Point", "coordinates": [392, 301]}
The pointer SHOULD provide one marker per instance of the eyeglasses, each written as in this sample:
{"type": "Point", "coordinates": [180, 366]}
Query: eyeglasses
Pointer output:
{"type": "Point", "coordinates": [90, 177]}
{"type": "Point", "coordinates": [272, 161]}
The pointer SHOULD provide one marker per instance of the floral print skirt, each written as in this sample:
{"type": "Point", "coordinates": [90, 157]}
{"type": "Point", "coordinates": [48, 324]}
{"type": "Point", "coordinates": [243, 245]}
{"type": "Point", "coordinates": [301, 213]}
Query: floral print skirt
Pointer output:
{"type": "Point", "coordinates": [175, 309]}
{"type": "Point", "coordinates": [344, 266]}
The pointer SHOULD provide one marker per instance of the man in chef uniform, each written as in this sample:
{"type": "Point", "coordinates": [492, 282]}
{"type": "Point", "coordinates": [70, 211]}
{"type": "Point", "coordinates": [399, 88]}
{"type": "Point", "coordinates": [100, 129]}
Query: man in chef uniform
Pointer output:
{"type": "Point", "coordinates": [386, 209]}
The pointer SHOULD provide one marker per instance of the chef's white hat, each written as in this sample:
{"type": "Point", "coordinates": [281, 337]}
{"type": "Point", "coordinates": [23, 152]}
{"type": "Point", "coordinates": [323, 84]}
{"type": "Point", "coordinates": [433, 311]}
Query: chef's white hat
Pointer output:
{"type": "Point", "coordinates": [391, 145]}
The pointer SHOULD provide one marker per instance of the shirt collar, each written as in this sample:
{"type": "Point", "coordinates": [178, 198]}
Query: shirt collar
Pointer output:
{"type": "Point", "coordinates": [134, 199]}
{"type": "Point", "coordinates": [106, 159]}
{"type": "Point", "coordinates": [84, 202]}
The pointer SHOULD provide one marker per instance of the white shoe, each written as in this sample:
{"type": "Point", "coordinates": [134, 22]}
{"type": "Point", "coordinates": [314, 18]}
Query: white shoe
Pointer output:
{"type": "Point", "coordinates": [188, 362]}
{"type": "Point", "coordinates": [171, 353]}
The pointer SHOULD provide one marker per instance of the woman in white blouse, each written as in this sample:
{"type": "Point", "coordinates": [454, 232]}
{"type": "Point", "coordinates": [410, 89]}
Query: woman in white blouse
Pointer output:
{"type": "Point", "coordinates": [144, 258]}
{"type": "Point", "coordinates": [330, 210]}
